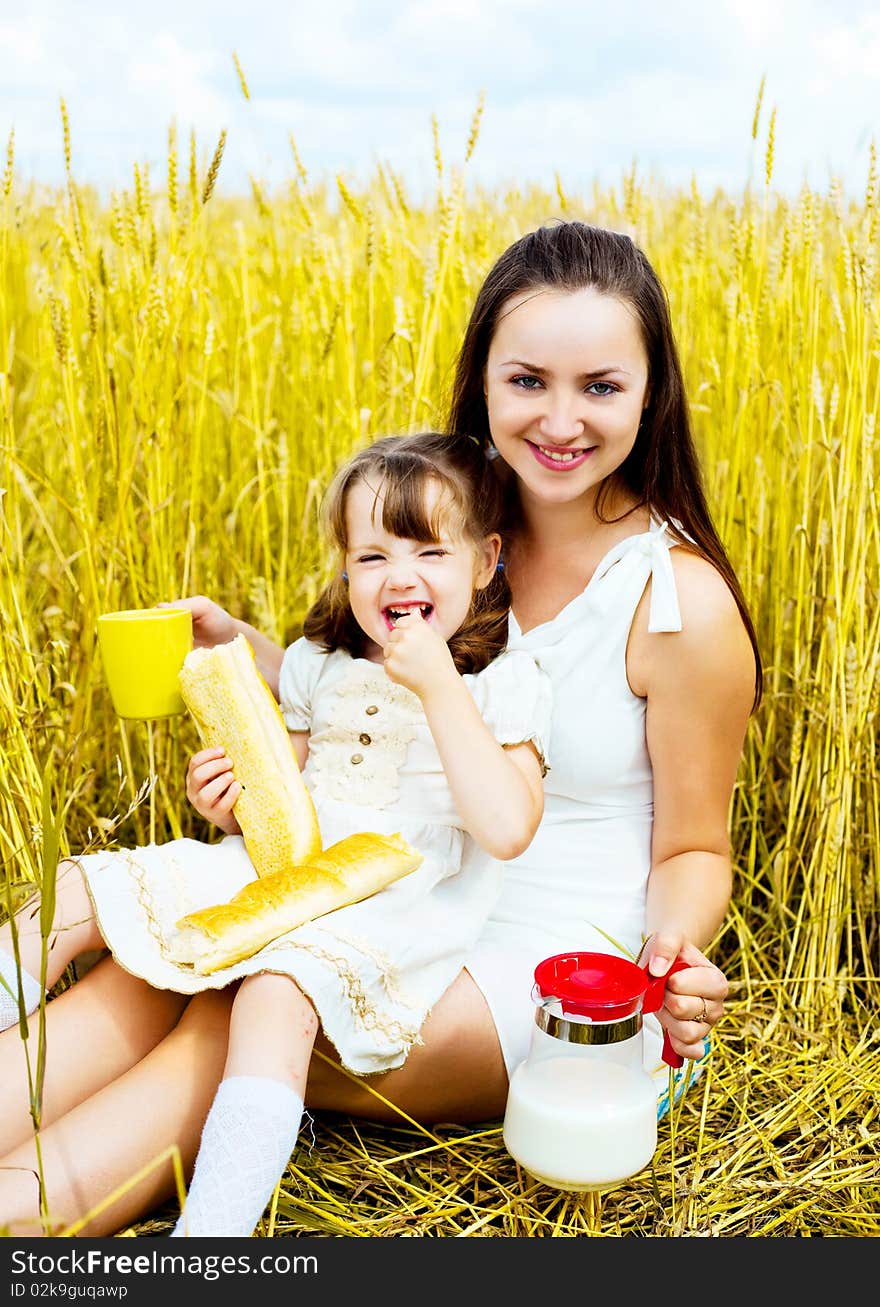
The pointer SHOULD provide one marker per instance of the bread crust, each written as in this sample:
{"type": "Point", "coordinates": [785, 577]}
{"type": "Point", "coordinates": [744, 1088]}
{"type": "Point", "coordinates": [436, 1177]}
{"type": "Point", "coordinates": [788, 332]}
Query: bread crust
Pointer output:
{"type": "Point", "coordinates": [235, 710]}
{"type": "Point", "coordinates": [352, 869]}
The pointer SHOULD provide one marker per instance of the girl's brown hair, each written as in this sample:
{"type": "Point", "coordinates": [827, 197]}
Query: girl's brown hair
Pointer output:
{"type": "Point", "coordinates": [662, 470]}
{"type": "Point", "coordinates": [399, 469]}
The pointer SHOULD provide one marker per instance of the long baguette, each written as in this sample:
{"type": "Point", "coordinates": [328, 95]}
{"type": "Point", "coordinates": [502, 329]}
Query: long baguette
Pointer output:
{"type": "Point", "coordinates": [234, 709]}
{"type": "Point", "coordinates": [346, 872]}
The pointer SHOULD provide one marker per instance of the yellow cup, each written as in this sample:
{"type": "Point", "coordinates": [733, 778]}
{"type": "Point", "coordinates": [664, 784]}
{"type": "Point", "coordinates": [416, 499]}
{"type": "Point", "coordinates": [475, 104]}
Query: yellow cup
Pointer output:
{"type": "Point", "coordinates": [142, 650]}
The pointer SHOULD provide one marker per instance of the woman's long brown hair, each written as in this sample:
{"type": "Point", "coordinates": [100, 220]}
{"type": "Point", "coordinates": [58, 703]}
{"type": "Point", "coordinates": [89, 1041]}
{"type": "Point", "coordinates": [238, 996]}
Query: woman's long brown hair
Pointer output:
{"type": "Point", "coordinates": [662, 470]}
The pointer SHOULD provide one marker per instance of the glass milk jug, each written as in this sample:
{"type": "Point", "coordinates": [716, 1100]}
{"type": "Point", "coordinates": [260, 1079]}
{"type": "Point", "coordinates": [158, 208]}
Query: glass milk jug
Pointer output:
{"type": "Point", "coordinates": [581, 1109]}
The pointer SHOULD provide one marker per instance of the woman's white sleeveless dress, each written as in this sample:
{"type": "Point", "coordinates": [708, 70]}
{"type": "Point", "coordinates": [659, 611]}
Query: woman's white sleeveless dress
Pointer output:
{"type": "Point", "coordinates": [581, 884]}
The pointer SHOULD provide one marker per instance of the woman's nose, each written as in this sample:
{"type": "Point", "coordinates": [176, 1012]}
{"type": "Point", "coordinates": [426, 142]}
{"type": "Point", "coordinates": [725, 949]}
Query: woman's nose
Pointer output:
{"type": "Point", "coordinates": [562, 419]}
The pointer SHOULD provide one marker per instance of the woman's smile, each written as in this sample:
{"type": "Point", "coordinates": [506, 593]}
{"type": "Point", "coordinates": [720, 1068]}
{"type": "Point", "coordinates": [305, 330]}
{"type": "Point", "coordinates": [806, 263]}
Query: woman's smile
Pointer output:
{"type": "Point", "coordinates": [559, 459]}
{"type": "Point", "coordinates": [566, 382]}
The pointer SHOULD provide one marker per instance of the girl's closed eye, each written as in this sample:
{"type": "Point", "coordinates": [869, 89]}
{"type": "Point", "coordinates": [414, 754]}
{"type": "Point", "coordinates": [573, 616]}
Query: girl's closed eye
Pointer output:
{"type": "Point", "coordinates": [435, 552]}
{"type": "Point", "coordinates": [369, 558]}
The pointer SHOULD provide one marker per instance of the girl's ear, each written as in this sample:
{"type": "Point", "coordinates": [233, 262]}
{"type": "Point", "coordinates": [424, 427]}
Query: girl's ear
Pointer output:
{"type": "Point", "coordinates": [487, 560]}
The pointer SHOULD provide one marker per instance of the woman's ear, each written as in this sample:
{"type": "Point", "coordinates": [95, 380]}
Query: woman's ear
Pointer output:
{"type": "Point", "coordinates": [487, 560]}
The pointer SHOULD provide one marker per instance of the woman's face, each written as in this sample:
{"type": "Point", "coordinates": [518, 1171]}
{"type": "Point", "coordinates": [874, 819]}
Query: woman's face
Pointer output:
{"type": "Point", "coordinates": [566, 381]}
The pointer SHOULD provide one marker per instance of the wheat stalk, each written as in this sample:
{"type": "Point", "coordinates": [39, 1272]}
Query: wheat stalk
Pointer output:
{"type": "Point", "coordinates": [173, 399]}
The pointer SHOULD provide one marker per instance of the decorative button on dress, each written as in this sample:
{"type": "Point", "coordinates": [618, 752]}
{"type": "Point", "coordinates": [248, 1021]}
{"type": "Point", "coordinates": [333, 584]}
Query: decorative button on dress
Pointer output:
{"type": "Point", "coordinates": [374, 969]}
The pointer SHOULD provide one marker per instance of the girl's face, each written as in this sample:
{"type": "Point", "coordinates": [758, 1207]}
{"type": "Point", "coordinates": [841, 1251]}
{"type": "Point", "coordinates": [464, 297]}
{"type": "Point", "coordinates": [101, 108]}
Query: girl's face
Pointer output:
{"type": "Point", "coordinates": [566, 382]}
{"type": "Point", "coordinates": [388, 575]}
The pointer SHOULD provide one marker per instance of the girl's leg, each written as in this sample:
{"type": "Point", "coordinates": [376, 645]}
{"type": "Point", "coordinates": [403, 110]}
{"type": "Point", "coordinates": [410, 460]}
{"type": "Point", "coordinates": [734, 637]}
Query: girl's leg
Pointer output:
{"type": "Point", "coordinates": [95, 1031]}
{"type": "Point", "coordinates": [255, 1117]}
{"type": "Point", "coordinates": [74, 931]}
{"type": "Point", "coordinates": [100, 1145]}
{"type": "Point", "coordinates": [457, 1074]}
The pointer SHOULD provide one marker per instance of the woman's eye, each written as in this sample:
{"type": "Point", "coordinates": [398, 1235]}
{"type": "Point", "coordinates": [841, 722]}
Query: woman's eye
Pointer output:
{"type": "Point", "coordinates": [526, 383]}
{"type": "Point", "coordinates": [607, 388]}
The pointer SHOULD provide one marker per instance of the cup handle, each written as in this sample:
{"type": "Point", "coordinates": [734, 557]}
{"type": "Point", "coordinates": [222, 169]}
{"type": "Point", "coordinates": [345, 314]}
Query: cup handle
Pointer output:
{"type": "Point", "coordinates": [653, 1001]}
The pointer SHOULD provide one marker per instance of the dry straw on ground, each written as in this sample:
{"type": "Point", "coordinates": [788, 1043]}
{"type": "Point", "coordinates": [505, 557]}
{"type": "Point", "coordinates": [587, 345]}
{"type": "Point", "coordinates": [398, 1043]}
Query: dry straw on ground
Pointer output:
{"type": "Point", "coordinates": [180, 373]}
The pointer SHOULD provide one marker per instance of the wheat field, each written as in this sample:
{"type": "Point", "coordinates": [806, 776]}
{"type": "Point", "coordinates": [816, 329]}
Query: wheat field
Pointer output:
{"type": "Point", "coordinates": [180, 371]}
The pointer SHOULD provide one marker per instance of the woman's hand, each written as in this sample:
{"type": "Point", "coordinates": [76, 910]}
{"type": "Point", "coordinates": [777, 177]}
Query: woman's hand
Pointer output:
{"type": "Point", "coordinates": [211, 624]}
{"type": "Point", "coordinates": [694, 1001]}
{"type": "Point", "coordinates": [212, 789]}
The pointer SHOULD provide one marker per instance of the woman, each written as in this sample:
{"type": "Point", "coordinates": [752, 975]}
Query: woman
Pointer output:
{"type": "Point", "coordinates": [623, 592]}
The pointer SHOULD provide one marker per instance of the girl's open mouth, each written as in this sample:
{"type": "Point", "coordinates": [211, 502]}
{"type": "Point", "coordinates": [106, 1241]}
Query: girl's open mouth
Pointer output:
{"type": "Point", "coordinates": [393, 613]}
{"type": "Point", "coordinates": [559, 460]}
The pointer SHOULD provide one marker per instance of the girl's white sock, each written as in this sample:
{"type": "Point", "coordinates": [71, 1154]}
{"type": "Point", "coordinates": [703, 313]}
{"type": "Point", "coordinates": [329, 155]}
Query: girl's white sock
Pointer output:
{"type": "Point", "coordinates": [247, 1140]}
{"type": "Point", "coordinates": [31, 990]}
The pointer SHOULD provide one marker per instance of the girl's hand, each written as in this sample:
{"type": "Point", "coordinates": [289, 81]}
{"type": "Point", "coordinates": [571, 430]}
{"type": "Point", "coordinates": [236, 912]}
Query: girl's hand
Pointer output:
{"type": "Point", "coordinates": [212, 789]}
{"type": "Point", "coordinates": [695, 996]}
{"type": "Point", "coordinates": [211, 624]}
{"type": "Point", "coordinates": [416, 656]}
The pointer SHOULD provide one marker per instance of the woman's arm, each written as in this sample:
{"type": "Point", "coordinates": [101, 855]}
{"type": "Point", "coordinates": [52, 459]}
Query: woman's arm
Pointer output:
{"type": "Point", "coordinates": [213, 625]}
{"type": "Point", "coordinates": [699, 685]}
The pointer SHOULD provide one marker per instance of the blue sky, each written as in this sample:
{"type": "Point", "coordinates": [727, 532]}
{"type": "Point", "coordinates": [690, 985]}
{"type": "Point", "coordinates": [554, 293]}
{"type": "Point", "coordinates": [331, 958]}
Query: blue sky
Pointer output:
{"type": "Point", "coordinates": [580, 88]}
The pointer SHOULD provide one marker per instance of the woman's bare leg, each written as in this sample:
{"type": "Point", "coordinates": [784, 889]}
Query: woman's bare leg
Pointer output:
{"type": "Point", "coordinates": [95, 1031]}
{"type": "Point", "coordinates": [456, 1074]}
{"type": "Point", "coordinates": [74, 929]}
{"type": "Point", "coordinates": [102, 1143]}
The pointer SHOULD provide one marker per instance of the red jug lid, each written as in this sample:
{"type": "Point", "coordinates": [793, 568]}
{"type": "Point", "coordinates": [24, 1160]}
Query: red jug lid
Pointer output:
{"type": "Point", "coordinates": [601, 986]}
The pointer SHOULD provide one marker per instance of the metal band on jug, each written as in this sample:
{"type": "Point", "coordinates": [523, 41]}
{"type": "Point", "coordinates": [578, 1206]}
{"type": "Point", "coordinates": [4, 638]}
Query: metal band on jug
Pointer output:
{"type": "Point", "coordinates": [587, 1032]}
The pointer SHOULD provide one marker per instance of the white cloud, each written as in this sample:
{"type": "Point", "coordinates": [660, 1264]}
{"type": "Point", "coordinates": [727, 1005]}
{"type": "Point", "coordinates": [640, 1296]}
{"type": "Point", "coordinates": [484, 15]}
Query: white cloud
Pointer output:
{"type": "Point", "coordinates": [178, 80]}
{"type": "Point", "coordinates": [567, 89]}
{"type": "Point", "coordinates": [851, 51]}
{"type": "Point", "coordinates": [22, 44]}
{"type": "Point", "coordinates": [761, 22]}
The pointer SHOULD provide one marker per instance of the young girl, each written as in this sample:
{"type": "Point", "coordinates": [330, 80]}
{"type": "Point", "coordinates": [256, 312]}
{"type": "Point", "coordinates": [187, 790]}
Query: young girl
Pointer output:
{"type": "Point", "coordinates": [406, 716]}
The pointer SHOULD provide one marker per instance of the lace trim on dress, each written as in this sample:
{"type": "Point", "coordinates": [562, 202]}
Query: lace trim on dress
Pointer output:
{"type": "Point", "coordinates": [359, 755]}
{"type": "Point", "coordinates": [397, 1032]}
{"type": "Point", "coordinates": [161, 917]}
{"type": "Point", "coordinates": [161, 921]}
{"type": "Point", "coordinates": [539, 746]}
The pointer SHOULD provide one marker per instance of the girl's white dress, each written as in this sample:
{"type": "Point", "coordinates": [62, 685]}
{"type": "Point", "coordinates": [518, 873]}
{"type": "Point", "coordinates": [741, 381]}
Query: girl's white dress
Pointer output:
{"type": "Point", "coordinates": [581, 884]}
{"type": "Point", "coordinates": [374, 969]}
